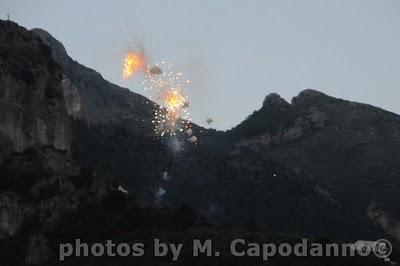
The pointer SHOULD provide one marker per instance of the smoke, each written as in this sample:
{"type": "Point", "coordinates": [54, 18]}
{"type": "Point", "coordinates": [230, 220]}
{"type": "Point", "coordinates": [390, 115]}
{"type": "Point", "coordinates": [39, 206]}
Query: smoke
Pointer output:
{"type": "Point", "coordinates": [155, 70]}
{"type": "Point", "coordinates": [159, 196]}
{"type": "Point", "coordinates": [189, 132]}
{"type": "Point", "coordinates": [165, 176]}
{"type": "Point", "coordinates": [209, 121]}
{"type": "Point", "coordinates": [174, 144]}
{"type": "Point", "coordinates": [193, 139]}
{"type": "Point", "coordinates": [123, 190]}
{"type": "Point", "coordinates": [161, 191]}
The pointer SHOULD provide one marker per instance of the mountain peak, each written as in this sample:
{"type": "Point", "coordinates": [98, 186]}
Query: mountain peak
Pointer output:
{"type": "Point", "coordinates": [274, 100]}
{"type": "Point", "coordinates": [311, 92]}
{"type": "Point", "coordinates": [311, 97]}
{"type": "Point", "coordinates": [58, 52]}
{"type": "Point", "coordinates": [305, 97]}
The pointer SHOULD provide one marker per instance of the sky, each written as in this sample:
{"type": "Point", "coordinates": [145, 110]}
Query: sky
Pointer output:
{"type": "Point", "coordinates": [235, 52]}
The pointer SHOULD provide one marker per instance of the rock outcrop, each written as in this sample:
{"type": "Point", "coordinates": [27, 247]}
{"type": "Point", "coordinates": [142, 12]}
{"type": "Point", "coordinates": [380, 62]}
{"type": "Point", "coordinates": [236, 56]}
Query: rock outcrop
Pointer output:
{"type": "Point", "coordinates": [72, 98]}
{"type": "Point", "coordinates": [275, 100]}
{"type": "Point", "coordinates": [32, 106]}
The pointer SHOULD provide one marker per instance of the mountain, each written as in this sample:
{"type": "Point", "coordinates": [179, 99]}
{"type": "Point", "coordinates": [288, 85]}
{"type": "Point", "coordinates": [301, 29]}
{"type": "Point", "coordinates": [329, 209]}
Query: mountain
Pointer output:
{"type": "Point", "coordinates": [211, 181]}
{"type": "Point", "coordinates": [351, 149]}
{"type": "Point", "coordinates": [79, 159]}
{"type": "Point", "coordinates": [326, 158]}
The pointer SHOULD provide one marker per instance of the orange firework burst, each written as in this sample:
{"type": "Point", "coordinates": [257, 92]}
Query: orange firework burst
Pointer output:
{"type": "Point", "coordinates": [174, 100]}
{"type": "Point", "coordinates": [132, 63]}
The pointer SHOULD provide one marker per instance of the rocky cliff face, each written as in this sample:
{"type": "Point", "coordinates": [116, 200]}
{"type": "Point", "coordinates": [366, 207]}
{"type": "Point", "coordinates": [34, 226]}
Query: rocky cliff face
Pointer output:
{"type": "Point", "coordinates": [72, 98]}
{"type": "Point", "coordinates": [32, 106]}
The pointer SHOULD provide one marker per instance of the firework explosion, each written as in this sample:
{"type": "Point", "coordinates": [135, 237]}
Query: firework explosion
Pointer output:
{"type": "Point", "coordinates": [168, 89]}
{"type": "Point", "coordinates": [133, 62]}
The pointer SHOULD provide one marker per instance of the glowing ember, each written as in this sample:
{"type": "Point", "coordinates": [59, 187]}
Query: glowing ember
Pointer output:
{"type": "Point", "coordinates": [132, 63]}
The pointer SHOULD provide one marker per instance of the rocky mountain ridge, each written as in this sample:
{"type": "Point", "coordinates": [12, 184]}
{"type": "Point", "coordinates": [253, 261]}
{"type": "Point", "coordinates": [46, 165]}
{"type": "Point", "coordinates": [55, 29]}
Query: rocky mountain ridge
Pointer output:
{"type": "Point", "coordinates": [315, 166]}
{"type": "Point", "coordinates": [351, 149]}
{"type": "Point", "coordinates": [296, 135]}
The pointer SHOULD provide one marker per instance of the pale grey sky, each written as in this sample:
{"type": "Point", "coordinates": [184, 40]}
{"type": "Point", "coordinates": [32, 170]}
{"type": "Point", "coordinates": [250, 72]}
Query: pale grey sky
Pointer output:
{"type": "Point", "coordinates": [236, 52]}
